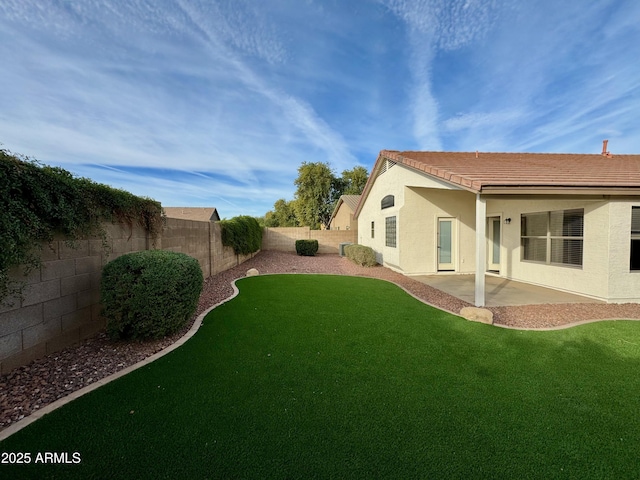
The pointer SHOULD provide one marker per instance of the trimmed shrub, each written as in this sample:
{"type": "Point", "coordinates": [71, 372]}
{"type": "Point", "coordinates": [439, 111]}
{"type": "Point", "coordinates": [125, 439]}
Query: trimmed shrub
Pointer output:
{"type": "Point", "coordinates": [363, 256]}
{"type": "Point", "coordinates": [243, 234]}
{"type": "Point", "coordinates": [149, 294]}
{"type": "Point", "coordinates": [308, 248]}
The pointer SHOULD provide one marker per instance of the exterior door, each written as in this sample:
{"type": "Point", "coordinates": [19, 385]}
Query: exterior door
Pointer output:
{"type": "Point", "coordinates": [446, 244]}
{"type": "Point", "coordinates": [493, 255]}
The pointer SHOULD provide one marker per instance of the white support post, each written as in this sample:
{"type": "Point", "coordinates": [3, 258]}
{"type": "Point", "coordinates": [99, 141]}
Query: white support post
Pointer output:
{"type": "Point", "coordinates": [481, 248]}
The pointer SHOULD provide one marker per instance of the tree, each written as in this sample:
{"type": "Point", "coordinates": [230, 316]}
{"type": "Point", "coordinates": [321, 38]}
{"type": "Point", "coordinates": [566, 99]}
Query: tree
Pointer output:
{"type": "Point", "coordinates": [283, 214]}
{"type": "Point", "coordinates": [317, 193]}
{"type": "Point", "coordinates": [354, 180]}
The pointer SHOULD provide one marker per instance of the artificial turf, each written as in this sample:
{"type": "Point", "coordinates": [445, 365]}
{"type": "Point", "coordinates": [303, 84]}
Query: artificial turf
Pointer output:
{"type": "Point", "coordinates": [318, 376]}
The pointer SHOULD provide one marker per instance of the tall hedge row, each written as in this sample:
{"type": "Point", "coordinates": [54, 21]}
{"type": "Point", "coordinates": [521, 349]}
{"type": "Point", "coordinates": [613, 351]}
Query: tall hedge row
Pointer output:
{"type": "Point", "coordinates": [38, 201]}
{"type": "Point", "coordinates": [243, 234]}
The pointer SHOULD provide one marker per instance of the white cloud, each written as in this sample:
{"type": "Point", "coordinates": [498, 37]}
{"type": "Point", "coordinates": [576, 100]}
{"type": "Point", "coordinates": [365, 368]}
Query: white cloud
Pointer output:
{"type": "Point", "coordinates": [487, 119]}
{"type": "Point", "coordinates": [126, 113]}
{"type": "Point", "coordinates": [437, 25]}
{"type": "Point", "coordinates": [450, 24]}
{"type": "Point", "coordinates": [241, 92]}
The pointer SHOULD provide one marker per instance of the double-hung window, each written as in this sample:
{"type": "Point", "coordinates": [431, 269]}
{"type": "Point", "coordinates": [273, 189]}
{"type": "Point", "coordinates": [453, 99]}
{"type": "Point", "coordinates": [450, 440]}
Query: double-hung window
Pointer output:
{"type": "Point", "coordinates": [553, 237]}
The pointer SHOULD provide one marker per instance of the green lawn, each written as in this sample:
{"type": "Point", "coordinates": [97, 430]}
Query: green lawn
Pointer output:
{"type": "Point", "coordinates": [312, 376]}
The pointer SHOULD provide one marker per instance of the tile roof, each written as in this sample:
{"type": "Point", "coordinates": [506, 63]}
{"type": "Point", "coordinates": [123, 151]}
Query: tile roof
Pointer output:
{"type": "Point", "coordinates": [478, 171]}
{"type": "Point", "coordinates": [482, 172]}
{"type": "Point", "coordinates": [202, 214]}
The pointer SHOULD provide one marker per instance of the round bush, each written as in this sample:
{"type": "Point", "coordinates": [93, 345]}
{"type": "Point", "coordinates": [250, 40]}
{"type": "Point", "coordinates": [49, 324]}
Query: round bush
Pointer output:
{"type": "Point", "coordinates": [363, 256]}
{"type": "Point", "coordinates": [307, 247]}
{"type": "Point", "coordinates": [149, 294]}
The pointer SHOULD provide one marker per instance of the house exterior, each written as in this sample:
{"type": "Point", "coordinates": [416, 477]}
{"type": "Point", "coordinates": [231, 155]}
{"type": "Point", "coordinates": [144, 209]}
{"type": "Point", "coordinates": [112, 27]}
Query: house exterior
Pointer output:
{"type": "Point", "coordinates": [564, 221]}
{"type": "Point", "coordinates": [202, 214]}
{"type": "Point", "coordinates": [342, 217]}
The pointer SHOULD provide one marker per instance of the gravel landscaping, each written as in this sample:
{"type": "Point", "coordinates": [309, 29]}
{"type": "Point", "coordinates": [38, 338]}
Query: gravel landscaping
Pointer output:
{"type": "Point", "coordinates": [31, 387]}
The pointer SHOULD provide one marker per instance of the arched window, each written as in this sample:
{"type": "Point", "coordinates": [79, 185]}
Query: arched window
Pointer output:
{"type": "Point", "coordinates": [388, 201]}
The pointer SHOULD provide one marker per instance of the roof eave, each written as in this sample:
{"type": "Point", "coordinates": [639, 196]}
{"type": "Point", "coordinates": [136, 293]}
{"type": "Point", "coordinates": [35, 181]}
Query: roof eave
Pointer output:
{"type": "Point", "coordinates": [559, 189]}
{"type": "Point", "coordinates": [370, 182]}
{"type": "Point", "coordinates": [335, 210]}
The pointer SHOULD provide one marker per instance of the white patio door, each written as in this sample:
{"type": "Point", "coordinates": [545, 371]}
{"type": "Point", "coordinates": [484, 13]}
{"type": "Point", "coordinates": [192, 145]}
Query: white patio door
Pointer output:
{"type": "Point", "coordinates": [493, 254]}
{"type": "Point", "coordinates": [446, 244]}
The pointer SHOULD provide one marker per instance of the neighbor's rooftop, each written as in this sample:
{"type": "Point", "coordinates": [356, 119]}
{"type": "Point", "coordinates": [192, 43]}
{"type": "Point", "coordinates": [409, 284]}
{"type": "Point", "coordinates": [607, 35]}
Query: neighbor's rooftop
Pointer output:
{"type": "Point", "coordinates": [202, 214]}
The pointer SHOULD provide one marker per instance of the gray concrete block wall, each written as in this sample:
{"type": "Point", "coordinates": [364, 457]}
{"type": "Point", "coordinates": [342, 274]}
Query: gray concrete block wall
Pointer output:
{"type": "Point", "coordinates": [61, 304]}
{"type": "Point", "coordinates": [190, 237]}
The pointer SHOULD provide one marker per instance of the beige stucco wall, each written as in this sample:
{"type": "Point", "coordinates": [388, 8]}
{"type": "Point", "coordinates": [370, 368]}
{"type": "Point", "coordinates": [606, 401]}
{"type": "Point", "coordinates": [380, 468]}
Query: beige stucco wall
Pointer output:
{"type": "Point", "coordinates": [343, 220]}
{"type": "Point", "coordinates": [421, 200]}
{"type": "Point", "coordinates": [416, 214]}
{"type": "Point", "coordinates": [591, 279]}
{"type": "Point", "coordinates": [624, 285]}
{"type": "Point", "coordinates": [419, 223]}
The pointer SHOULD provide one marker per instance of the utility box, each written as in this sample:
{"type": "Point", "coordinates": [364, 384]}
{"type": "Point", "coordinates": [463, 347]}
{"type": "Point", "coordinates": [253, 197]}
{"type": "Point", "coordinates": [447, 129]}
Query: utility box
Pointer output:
{"type": "Point", "coordinates": [342, 245]}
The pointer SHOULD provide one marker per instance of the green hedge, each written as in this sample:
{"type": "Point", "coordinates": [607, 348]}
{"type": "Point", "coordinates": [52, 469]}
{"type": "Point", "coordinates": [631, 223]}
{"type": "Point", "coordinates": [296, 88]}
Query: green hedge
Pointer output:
{"type": "Point", "coordinates": [149, 294]}
{"type": "Point", "coordinates": [307, 247]}
{"type": "Point", "coordinates": [243, 234]}
{"type": "Point", "coordinates": [38, 201]}
{"type": "Point", "coordinates": [363, 256]}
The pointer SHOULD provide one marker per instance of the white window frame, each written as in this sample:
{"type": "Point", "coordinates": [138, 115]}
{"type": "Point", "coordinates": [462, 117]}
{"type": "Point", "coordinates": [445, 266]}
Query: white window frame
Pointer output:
{"type": "Point", "coordinates": [550, 239]}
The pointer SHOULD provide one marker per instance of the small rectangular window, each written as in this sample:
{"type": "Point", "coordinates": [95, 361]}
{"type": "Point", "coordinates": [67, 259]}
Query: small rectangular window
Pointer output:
{"type": "Point", "coordinates": [373, 230]}
{"type": "Point", "coordinates": [635, 238]}
{"type": "Point", "coordinates": [390, 231]}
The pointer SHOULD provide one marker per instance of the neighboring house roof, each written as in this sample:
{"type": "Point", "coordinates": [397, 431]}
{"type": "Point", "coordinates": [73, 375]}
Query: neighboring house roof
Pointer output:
{"type": "Point", "coordinates": [350, 201]}
{"type": "Point", "coordinates": [202, 214]}
{"type": "Point", "coordinates": [497, 173]}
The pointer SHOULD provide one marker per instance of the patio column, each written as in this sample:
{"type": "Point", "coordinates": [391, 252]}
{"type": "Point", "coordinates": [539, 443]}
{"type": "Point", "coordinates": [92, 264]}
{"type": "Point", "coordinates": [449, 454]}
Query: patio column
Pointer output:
{"type": "Point", "coordinates": [481, 248]}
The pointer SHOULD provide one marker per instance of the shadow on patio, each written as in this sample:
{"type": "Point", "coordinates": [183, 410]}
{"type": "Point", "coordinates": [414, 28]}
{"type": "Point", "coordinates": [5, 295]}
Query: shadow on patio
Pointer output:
{"type": "Point", "coordinates": [500, 291]}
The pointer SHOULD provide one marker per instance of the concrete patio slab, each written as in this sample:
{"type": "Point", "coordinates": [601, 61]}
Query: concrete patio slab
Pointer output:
{"type": "Point", "coordinates": [500, 291]}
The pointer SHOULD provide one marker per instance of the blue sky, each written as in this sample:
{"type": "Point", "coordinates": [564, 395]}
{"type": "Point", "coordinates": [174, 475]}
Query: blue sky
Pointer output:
{"type": "Point", "coordinates": [217, 103]}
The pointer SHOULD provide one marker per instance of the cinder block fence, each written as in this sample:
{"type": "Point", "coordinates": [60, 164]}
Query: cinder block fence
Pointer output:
{"type": "Point", "coordinates": [284, 238]}
{"type": "Point", "coordinates": [61, 302]}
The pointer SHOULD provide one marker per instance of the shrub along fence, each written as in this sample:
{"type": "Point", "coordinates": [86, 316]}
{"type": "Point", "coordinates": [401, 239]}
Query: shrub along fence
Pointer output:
{"type": "Point", "coordinates": [61, 301]}
{"type": "Point", "coordinates": [284, 238]}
